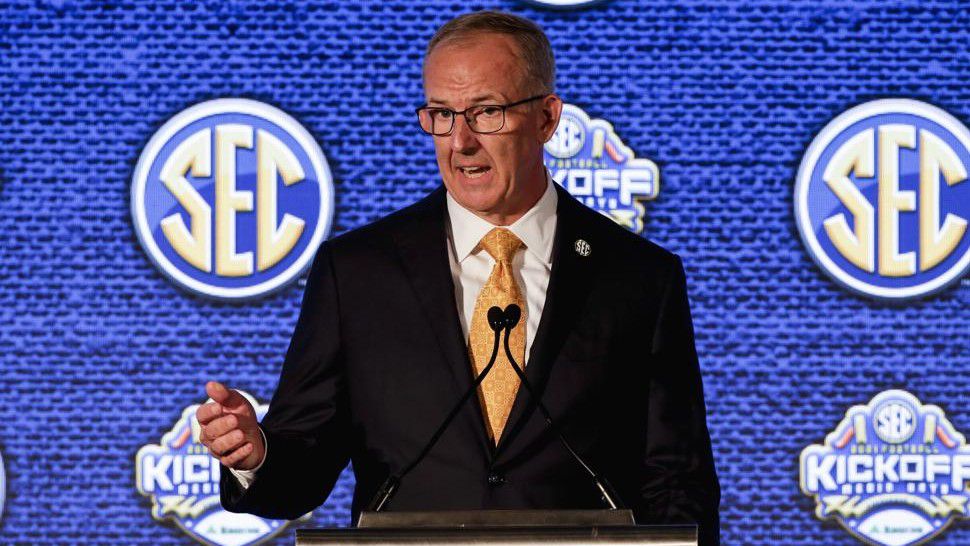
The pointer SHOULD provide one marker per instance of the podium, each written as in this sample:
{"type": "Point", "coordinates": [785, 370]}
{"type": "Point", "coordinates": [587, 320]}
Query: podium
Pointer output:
{"type": "Point", "coordinates": [507, 527]}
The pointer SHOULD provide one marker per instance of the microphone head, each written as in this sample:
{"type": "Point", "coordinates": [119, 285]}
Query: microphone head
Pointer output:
{"type": "Point", "coordinates": [512, 315]}
{"type": "Point", "coordinates": [496, 318]}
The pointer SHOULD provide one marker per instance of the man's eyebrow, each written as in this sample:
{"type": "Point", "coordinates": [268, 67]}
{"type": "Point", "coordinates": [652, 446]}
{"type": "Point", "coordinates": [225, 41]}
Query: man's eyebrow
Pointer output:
{"type": "Point", "coordinates": [490, 96]}
{"type": "Point", "coordinates": [477, 100]}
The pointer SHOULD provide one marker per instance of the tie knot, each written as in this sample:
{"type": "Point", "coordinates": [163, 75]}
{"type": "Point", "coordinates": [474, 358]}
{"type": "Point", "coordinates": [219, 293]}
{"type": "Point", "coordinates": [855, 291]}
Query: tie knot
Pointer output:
{"type": "Point", "coordinates": [500, 244]}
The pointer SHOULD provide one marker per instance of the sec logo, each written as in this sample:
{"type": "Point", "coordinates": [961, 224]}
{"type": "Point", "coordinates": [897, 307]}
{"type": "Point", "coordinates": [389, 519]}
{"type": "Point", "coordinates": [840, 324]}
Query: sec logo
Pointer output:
{"type": "Point", "coordinates": [894, 422]}
{"type": "Point", "coordinates": [882, 201]}
{"type": "Point", "coordinates": [231, 198]}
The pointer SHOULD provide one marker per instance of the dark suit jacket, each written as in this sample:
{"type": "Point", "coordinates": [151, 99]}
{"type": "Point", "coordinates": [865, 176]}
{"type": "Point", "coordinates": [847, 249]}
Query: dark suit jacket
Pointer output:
{"type": "Point", "coordinates": [378, 358]}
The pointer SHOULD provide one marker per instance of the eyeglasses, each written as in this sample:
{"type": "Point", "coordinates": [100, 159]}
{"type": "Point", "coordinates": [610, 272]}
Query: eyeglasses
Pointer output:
{"type": "Point", "coordinates": [482, 119]}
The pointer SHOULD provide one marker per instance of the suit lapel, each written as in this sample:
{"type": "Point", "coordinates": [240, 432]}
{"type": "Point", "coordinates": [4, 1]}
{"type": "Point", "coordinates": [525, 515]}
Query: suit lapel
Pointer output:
{"type": "Point", "coordinates": [570, 281]}
{"type": "Point", "coordinates": [422, 245]}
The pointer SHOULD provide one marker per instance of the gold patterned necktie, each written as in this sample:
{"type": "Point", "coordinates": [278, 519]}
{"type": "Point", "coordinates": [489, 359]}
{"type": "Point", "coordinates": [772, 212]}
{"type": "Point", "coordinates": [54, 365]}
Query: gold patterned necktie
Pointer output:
{"type": "Point", "coordinates": [497, 391]}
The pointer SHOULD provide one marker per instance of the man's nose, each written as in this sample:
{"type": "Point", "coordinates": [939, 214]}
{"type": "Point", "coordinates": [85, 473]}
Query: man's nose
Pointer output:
{"type": "Point", "coordinates": [463, 139]}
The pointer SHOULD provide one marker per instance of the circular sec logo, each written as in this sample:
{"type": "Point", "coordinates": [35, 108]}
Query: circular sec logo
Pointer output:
{"type": "Point", "coordinates": [569, 137]}
{"type": "Point", "coordinates": [894, 422]}
{"type": "Point", "coordinates": [231, 198]}
{"type": "Point", "coordinates": [882, 199]}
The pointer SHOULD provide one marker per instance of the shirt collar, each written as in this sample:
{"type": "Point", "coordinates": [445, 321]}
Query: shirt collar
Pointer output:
{"type": "Point", "coordinates": [535, 228]}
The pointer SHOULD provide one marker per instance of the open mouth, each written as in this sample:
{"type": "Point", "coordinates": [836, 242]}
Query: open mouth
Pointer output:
{"type": "Point", "coordinates": [474, 172]}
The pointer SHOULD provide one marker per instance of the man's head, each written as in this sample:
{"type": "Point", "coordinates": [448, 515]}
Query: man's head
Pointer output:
{"type": "Point", "coordinates": [491, 58]}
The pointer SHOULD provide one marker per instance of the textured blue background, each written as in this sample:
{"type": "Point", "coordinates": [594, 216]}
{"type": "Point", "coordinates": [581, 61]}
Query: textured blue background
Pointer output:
{"type": "Point", "coordinates": [99, 353]}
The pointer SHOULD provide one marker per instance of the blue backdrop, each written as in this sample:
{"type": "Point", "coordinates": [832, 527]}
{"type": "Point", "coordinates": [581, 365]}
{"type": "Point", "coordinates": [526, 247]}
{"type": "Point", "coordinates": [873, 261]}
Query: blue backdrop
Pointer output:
{"type": "Point", "coordinates": [100, 353]}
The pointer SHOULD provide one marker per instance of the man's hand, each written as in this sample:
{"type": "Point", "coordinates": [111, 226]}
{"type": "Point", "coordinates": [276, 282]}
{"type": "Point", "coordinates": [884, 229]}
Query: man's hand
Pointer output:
{"type": "Point", "coordinates": [229, 428]}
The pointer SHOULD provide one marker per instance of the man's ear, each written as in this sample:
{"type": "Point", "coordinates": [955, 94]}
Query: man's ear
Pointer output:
{"type": "Point", "coordinates": [551, 109]}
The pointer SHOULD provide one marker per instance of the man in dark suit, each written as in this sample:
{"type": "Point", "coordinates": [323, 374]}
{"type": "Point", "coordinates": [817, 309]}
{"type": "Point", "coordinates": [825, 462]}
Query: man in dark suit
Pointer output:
{"type": "Point", "coordinates": [393, 330]}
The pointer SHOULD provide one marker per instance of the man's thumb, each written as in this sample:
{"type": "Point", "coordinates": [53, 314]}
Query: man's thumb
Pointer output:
{"type": "Point", "coordinates": [219, 393]}
{"type": "Point", "coordinates": [228, 398]}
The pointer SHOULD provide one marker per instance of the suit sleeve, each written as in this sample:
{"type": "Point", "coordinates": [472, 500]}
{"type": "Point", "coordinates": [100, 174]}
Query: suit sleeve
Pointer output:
{"type": "Point", "coordinates": [680, 484]}
{"type": "Point", "coordinates": [306, 427]}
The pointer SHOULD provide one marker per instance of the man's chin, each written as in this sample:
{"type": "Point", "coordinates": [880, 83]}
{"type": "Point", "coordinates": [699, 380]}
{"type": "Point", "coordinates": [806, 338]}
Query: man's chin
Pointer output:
{"type": "Point", "coordinates": [477, 197]}
{"type": "Point", "coordinates": [480, 206]}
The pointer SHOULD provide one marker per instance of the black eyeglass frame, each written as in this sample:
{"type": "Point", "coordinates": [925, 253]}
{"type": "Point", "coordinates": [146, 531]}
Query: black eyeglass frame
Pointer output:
{"type": "Point", "coordinates": [464, 114]}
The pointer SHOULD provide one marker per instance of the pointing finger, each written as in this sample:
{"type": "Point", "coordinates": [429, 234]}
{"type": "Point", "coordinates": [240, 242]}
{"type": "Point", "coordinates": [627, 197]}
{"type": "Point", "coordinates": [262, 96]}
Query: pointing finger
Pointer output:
{"type": "Point", "coordinates": [221, 426]}
{"type": "Point", "coordinates": [207, 412]}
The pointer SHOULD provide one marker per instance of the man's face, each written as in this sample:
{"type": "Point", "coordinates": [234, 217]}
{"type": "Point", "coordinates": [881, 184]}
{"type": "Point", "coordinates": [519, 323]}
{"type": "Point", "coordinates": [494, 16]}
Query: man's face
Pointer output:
{"type": "Point", "coordinates": [498, 176]}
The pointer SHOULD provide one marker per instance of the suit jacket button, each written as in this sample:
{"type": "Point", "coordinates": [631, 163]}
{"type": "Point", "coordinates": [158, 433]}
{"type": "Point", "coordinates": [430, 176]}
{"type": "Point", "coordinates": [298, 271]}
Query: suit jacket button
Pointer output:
{"type": "Point", "coordinates": [495, 479]}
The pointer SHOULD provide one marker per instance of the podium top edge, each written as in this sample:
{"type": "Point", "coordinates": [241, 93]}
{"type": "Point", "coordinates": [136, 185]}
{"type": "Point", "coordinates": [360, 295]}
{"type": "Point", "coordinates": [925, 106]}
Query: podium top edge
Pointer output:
{"type": "Point", "coordinates": [523, 535]}
{"type": "Point", "coordinates": [463, 519]}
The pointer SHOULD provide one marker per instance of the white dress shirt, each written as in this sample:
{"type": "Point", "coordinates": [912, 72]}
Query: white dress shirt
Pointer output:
{"type": "Point", "coordinates": [471, 266]}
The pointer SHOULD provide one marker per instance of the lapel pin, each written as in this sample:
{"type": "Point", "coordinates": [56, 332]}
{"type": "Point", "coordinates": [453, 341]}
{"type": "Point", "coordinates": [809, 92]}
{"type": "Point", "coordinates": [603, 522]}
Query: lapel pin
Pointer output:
{"type": "Point", "coordinates": [582, 247]}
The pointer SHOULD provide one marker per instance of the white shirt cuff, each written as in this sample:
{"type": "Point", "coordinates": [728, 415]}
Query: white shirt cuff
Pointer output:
{"type": "Point", "coordinates": [247, 477]}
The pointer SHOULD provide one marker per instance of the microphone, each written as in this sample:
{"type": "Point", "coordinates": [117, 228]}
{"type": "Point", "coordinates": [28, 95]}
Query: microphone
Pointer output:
{"type": "Point", "coordinates": [607, 494]}
{"type": "Point", "coordinates": [497, 320]}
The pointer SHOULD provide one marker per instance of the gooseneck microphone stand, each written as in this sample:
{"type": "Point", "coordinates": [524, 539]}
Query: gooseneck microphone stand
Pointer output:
{"type": "Point", "coordinates": [496, 321]}
{"type": "Point", "coordinates": [512, 315]}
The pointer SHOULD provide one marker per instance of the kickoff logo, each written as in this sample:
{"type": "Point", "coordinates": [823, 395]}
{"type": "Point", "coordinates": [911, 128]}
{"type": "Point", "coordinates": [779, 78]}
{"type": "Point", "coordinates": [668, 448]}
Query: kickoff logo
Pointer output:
{"type": "Point", "coordinates": [588, 159]}
{"type": "Point", "coordinates": [882, 199]}
{"type": "Point", "coordinates": [231, 198]}
{"type": "Point", "coordinates": [894, 472]}
{"type": "Point", "coordinates": [182, 481]}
